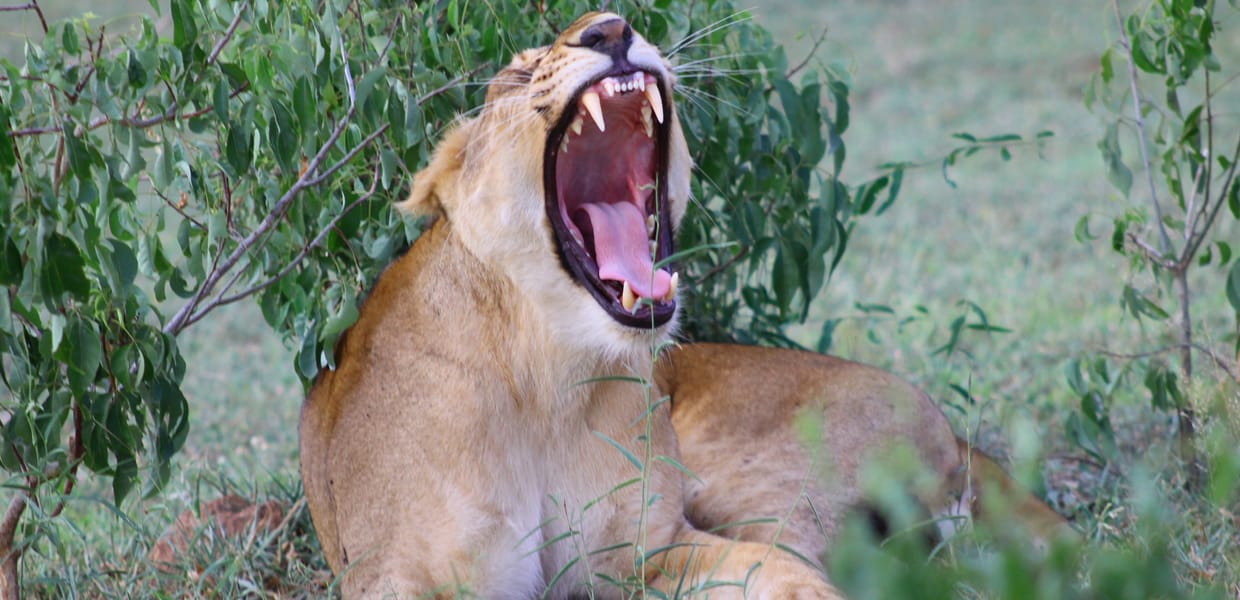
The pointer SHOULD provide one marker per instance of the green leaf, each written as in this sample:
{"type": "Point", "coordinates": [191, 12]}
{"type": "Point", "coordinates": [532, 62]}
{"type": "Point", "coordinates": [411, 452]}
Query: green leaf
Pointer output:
{"type": "Point", "coordinates": [1233, 286]}
{"type": "Point", "coordinates": [1164, 390]}
{"type": "Point", "coordinates": [1139, 305]}
{"type": "Point", "coordinates": [184, 26]}
{"type": "Point", "coordinates": [342, 320]}
{"type": "Point", "coordinates": [63, 270]}
{"type": "Point", "coordinates": [618, 446]}
{"type": "Point", "coordinates": [239, 149]}
{"type": "Point", "coordinates": [69, 39]}
{"type": "Point", "coordinates": [136, 72]}
{"type": "Point", "coordinates": [124, 477]}
{"type": "Point", "coordinates": [786, 277]}
{"type": "Point", "coordinates": [1081, 232]}
{"type": "Point", "coordinates": [125, 262]}
{"type": "Point", "coordinates": [85, 356]}
{"type": "Point", "coordinates": [58, 331]}
{"type": "Point", "coordinates": [11, 268]}
{"type": "Point", "coordinates": [1117, 172]}
{"type": "Point", "coordinates": [219, 99]}
{"type": "Point", "coordinates": [8, 157]}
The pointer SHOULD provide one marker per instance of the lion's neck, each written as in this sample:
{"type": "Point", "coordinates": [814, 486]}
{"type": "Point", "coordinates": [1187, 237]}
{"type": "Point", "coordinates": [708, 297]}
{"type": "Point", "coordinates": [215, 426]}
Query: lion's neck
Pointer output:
{"type": "Point", "coordinates": [544, 363]}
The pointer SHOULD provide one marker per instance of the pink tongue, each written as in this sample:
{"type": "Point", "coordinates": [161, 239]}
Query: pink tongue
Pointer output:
{"type": "Point", "coordinates": [622, 248]}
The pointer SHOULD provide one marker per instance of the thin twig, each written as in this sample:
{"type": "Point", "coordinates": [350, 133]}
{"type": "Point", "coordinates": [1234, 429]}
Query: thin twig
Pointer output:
{"type": "Point", "coordinates": [232, 27]}
{"type": "Point", "coordinates": [1145, 153]}
{"type": "Point", "coordinates": [168, 115]}
{"type": "Point", "coordinates": [349, 156]}
{"type": "Point", "coordinates": [1218, 360]}
{"type": "Point", "coordinates": [180, 211]}
{"type": "Point", "coordinates": [451, 83]}
{"type": "Point", "coordinates": [1151, 253]}
{"type": "Point", "coordinates": [809, 56]}
{"type": "Point", "coordinates": [318, 240]}
{"type": "Point", "coordinates": [77, 449]}
{"type": "Point", "coordinates": [744, 251]}
{"type": "Point", "coordinates": [1218, 206]}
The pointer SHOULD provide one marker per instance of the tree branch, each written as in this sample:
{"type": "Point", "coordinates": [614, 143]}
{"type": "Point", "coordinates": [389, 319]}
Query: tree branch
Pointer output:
{"type": "Point", "coordinates": [33, 5]}
{"type": "Point", "coordinates": [318, 240]}
{"type": "Point", "coordinates": [232, 27]}
{"type": "Point", "coordinates": [168, 115]}
{"type": "Point", "coordinates": [1214, 357]}
{"type": "Point", "coordinates": [1190, 251]}
{"type": "Point", "coordinates": [9, 553]}
{"type": "Point", "coordinates": [1152, 253]}
{"type": "Point", "coordinates": [1145, 153]}
{"type": "Point", "coordinates": [181, 318]}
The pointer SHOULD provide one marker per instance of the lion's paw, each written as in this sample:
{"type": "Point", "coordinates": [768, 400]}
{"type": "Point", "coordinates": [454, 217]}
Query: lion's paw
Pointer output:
{"type": "Point", "coordinates": [788, 579]}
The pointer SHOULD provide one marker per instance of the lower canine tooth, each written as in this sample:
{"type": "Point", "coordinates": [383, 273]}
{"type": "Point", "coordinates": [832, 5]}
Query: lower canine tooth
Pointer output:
{"type": "Point", "coordinates": [577, 124]}
{"type": "Point", "coordinates": [564, 145]}
{"type": "Point", "coordinates": [672, 286]}
{"type": "Point", "coordinates": [646, 122]}
{"type": "Point", "coordinates": [627, 299]}
{"type": "Point", "coordinates": [650, 225]}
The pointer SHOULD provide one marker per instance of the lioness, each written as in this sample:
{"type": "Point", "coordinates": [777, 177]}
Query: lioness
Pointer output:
{"type": "Point", "coordinates": [483, 432]}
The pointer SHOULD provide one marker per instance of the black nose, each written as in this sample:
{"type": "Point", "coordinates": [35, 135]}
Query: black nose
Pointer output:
{"type": "Point", "coordinates": [612, 37]}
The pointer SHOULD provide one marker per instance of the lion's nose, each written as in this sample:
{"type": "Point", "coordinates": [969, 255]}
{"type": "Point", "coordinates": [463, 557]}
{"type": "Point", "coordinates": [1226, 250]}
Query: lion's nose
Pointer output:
{"type": "Point", "coordinates": [611, 37]}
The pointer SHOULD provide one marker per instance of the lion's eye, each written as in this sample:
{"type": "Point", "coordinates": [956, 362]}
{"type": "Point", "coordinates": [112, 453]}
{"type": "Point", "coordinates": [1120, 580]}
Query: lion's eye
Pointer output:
{"type": "Point", "coordinates": [591, 38]}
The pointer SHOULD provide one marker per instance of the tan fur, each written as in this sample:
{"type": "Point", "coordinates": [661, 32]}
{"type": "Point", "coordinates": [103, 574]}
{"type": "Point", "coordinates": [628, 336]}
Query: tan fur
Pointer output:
{"type": "Point", "coordinates": [463, 438]}
{"type": "Point", "coordinates": [735, 410]}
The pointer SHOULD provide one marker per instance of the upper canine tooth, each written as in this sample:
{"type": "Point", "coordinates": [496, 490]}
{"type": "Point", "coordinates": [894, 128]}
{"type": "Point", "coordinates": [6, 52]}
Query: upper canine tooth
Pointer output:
{"type": "Point", "coordinates": [627, 299]}
{"type": "Point", "coordinates": [656, 101]}
{"type": "Point", "coordinates": [650, 224]}
{"type": "Point", "coordinates": [591, 102]}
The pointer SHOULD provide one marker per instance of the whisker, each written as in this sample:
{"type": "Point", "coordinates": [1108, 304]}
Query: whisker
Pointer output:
{"type": "Point", "coordinates": [704, 72]}
{"type": "Point", "coordinates": [703, 95]}
{"type": "Point", "coordinates": [693, 38]}
{"type": "Point", "coordinates": [714, 58]}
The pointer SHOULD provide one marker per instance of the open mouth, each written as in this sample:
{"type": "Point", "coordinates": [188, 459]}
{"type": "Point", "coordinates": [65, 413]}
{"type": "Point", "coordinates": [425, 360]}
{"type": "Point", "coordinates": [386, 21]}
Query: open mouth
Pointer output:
{"type": "Point", "coordinates": [605, 179]}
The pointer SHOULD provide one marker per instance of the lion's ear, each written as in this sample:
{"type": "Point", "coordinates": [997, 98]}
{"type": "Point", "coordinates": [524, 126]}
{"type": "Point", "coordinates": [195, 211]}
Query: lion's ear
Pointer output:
{"type": "Point", "coordinates": [433, 183]}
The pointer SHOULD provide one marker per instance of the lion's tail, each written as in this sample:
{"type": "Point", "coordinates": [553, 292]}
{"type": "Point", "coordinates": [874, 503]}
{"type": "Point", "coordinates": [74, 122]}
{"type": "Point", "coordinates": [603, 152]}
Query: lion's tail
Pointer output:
{"type": "Point", "coordinates": [994, 498]}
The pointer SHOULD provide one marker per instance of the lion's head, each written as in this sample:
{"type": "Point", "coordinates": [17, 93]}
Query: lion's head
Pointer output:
{"type": "Point", "coordinates": [572, 178]}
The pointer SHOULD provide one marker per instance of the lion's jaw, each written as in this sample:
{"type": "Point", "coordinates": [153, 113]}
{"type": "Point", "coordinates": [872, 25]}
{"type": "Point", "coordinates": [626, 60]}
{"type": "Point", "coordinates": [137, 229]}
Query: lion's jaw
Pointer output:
{"type": "Point", "coordinates": [571, 183]}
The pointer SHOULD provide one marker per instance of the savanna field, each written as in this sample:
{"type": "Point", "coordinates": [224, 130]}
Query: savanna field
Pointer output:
{"type": "Point", "coordinates": [990, 281]}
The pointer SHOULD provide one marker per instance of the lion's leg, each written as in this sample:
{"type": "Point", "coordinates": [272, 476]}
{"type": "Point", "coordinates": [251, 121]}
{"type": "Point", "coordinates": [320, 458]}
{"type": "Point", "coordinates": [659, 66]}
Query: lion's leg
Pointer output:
{"type": "Point", "coordinates": [704, 565]}
{"type": "Point", "coordinates": [790, 435]}
{"type": "Point", "coordinates": [446, 542]}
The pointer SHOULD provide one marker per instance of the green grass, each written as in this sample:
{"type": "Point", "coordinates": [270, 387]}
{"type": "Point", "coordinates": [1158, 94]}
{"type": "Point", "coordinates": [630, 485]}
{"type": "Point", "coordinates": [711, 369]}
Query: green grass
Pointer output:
{"type": "Point", "coordinates": [1003, 239]}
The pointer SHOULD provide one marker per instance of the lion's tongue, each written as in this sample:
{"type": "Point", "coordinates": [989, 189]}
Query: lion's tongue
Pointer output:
{"type": "Point", "coordinates": [622, 248]}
